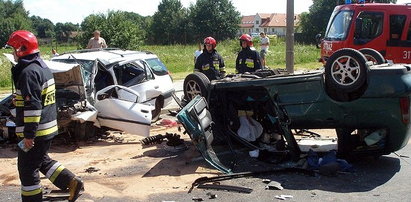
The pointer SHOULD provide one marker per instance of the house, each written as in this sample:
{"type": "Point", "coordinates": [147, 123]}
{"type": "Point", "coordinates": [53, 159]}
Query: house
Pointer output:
{"type": "Point", "coordinates": [270, 23]}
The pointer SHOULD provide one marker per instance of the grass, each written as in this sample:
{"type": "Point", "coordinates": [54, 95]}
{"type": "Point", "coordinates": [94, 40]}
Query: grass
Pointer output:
{"type": "Point", "coordinates": [179, 58]}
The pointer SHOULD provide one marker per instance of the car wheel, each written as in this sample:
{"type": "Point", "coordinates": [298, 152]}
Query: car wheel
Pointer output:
{"type": "Point", "coordinates": [196, 84]}
{"type": "Point", "coordinates": [372, 55]}
{"type": "Point", "coordinates": [346, 70]}
{"type": "Point", "coordinates": [155, 114]}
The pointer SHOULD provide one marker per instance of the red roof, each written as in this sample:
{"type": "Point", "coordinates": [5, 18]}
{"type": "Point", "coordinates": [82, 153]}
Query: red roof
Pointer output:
{"type": "Point", "coordinates": [247, 21]}
{"type": "Point", "coordinates": [268, 20]}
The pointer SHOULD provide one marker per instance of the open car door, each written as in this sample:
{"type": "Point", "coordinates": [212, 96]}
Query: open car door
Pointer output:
{"type": "Point", "coordinates": [197, 121]}
{"type": "Point", "coordinates": [119, 108]}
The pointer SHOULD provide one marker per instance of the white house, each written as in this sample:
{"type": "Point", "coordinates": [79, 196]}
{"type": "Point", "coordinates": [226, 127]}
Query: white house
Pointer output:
{"type": "Point", "coordinates": [270, 23]}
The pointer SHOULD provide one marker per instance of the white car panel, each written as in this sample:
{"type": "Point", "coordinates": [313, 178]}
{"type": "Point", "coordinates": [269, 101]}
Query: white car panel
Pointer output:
{"type": "Point", "coordinates": [123, 114]}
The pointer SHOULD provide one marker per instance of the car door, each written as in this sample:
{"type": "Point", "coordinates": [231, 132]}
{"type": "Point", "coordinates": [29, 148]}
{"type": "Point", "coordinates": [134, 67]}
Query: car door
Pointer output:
{"type": "Point", "coordinates": [197, 121]}
{"type": "Point", "coordinates": [136, 75]}
{"type": "Point", "coordinates": [119, 107]}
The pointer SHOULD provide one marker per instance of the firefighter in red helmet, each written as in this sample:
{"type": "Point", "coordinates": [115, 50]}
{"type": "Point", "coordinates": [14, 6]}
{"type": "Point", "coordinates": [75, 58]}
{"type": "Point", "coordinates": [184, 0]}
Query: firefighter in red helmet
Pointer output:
{"type": "Point", "coordinates": [36, 120]}
{"type": "Point", "coordinates": [210, 62]}
{"type": "Point", "coordinates": [248, 60]}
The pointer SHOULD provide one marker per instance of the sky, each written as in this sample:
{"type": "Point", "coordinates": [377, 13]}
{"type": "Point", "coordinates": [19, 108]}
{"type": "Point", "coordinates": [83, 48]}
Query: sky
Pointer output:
{"type": "Point", "coordinates": [76, 10]}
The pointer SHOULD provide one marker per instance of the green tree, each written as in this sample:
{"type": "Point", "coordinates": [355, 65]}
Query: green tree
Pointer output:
{"type": "Point", "coordinates": [44, 27]}
{"type": "Point", "coordinates": [117, 28]}
{"type": "Point", "coordinates": [315, 21]}
{"type": "Point", "coordinates": [64, 30]}
{"type": "Point", "coordinates": [167, 26]}
{"type": "Point", "coordinates": [13, 17]}
{"type": "Point", "coordinates": [216, 18]}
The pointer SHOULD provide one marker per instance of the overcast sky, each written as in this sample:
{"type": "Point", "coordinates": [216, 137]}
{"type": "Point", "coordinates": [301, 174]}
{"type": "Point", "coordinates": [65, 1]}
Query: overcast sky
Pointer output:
{"type": "Point", "coordinates": [76, 10]}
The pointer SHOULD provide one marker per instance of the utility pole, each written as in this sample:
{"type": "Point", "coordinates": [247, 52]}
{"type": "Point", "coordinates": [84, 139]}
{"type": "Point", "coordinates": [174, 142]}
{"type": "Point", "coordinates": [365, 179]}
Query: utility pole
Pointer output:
{"type": "Point", "coordinates": [289, 37]}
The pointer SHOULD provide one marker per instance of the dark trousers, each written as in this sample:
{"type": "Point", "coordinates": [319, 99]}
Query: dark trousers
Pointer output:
{"type": "Point", "coordinates": [35, 160]}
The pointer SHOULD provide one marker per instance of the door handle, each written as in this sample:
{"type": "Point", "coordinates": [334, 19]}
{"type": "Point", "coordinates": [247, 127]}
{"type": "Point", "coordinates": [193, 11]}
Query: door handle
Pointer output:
{"type": "Point", "coordinates": [156, 87]}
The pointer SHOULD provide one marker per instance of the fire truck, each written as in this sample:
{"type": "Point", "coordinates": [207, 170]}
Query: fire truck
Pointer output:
{"type": "Point", "coordinates": [380, 31]}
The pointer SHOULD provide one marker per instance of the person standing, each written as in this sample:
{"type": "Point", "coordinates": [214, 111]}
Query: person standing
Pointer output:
{"type": "Point", "coordinates": [210, 62]}
{"type": "Point", "coordinates": [248, 60]}
{"type": "Point", "coordinates": [36, 120]}
{"type": "Point", "coordinates": [197, 52]}
{"type": "Point", "coordinates": [265, 42]}
{"type": "Point", "coordinates": [54, 52]}
{"type": "Point", "coordinates": [97, 41]}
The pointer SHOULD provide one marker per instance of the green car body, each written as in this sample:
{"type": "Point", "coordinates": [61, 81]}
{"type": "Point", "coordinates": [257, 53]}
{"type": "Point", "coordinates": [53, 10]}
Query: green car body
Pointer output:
{"type": "Point", "coordinates": [383, 103]}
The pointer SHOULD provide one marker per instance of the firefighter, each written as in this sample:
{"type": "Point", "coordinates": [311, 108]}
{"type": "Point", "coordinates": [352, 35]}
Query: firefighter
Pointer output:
{"type": "Point", "coordinates": [210, 62]}
{"type": "Point", "coordinates": [248, 60]}
{"type": "Point", "coordinates": [36, 120]}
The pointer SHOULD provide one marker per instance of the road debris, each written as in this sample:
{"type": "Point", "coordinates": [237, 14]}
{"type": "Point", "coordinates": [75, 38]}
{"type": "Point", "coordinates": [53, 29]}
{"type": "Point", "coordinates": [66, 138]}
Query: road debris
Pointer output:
{"type": "Point", "coordinates": [211, 195]}
{"type": "Point", "coordinates": [197, 198]}
{"type": "Point", "coordinates": [283, 197]}
{"type": "Point", "coordinates": [203, 180]}
{"type": "Point", "coordinates": [92, 170]}
{"type": "Point", "coordinates": [266, 181]}
{"type": "Point", "coordinates": [225, 188]}
{"type": "Point", "coordinates": [273, 185]}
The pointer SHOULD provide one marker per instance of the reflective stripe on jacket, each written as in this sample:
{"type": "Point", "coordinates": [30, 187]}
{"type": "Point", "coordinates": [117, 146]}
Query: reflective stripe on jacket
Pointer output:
{"type": "Point", "coordinates": [211, 64]}
{"type": "Point", "coordinates": [36, 113]}
{"type": "Point", "coordinates": [247, 61]}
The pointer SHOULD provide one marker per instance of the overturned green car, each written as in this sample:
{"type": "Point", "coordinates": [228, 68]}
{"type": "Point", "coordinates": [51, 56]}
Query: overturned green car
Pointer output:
{"type": "Point", "coordinates": [368, 105]}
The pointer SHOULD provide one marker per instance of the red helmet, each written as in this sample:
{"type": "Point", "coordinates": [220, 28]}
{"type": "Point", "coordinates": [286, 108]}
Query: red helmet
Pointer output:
{"type": "Point", "coordinates": [210, 40]}
{"type": "Point", "coordinates": [246, 37]}
{"type": "Point", "coordinates": [24, 42]}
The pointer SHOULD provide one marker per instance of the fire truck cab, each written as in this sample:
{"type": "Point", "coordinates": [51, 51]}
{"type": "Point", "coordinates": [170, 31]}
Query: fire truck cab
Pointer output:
{"type": "Point", "coordinates": [385, 28]}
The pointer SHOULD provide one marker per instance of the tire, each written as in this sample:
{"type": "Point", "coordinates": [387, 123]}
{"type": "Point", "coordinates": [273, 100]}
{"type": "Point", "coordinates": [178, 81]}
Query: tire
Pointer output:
{"type": "Point", "coordinates": [155, 114]}
{"type": "Point", "coordinates": [346, 71]}
{"type": "Point", "coordinates": [373, 56]}
{"type": "Point", "coordinates": [196, 84]}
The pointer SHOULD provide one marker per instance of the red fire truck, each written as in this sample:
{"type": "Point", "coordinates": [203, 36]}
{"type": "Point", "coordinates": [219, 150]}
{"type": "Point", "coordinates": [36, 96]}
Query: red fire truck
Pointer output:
{"type": "Point", "coordinates": [378, 30]}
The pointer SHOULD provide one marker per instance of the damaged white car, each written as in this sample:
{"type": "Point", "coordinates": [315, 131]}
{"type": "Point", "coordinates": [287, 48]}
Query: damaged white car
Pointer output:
{"type": "Point", "coordinates": [140, 71]}
{"type": "Point", "coordinates": [114, 106]}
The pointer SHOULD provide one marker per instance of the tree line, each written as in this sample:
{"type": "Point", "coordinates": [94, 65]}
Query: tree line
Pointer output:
{"type": "Point", "coordinates": [170, 24]}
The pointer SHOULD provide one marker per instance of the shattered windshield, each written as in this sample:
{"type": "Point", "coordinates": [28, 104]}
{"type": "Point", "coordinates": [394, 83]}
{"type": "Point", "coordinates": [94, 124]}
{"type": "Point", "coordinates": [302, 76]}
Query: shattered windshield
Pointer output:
{"type": "Point", "coordinates": [157, 66]}
{"type": "Point", "coordinates": [338, 26]}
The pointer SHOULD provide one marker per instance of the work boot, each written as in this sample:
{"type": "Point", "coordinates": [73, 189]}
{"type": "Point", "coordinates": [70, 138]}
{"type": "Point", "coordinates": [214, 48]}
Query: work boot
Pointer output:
{"type": "Point", "coordinates": [75, 186]}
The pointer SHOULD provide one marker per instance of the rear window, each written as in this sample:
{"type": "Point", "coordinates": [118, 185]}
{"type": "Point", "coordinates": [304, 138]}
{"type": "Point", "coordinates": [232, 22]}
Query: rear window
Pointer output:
{"type": "Point", "coordinates": [157, 66]}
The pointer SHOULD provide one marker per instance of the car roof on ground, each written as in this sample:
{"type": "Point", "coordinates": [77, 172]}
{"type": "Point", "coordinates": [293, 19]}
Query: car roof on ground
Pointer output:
{"type": "Point", "coordinates": [106, 56]}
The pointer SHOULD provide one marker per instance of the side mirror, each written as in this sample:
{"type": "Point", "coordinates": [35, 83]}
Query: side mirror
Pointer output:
{"type": "Point", "coordinates": [318, 40]}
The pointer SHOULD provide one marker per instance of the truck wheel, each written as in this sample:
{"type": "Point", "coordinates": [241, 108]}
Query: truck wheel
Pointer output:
{"type": "Point", "coordinates": [196, 84]}
{"type": "Point", "coordinates": [346, 70]}
{"type": "Point", "coordinates": [373, 56]}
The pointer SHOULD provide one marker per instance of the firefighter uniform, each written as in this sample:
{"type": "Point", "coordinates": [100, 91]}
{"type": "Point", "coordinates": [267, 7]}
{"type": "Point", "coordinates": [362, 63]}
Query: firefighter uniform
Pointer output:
{"type": "Point", "coordinates": [211, 64]}
{"type": "Point", "coordinates": [36, 117]}
{"type": "Point", "coordinates": [247, 61]}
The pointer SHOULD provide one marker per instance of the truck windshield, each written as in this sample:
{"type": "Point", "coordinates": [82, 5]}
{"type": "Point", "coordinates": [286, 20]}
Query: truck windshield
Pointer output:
{"type": "Point", "coordinates": [337, 28]}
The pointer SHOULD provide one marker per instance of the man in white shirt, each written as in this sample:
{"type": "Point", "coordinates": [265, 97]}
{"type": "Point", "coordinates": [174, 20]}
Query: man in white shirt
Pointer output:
{"type": "Point", "coordinates": [265, 42]}
{"type": "Point", "coordinates": [197, 52]}
{"type": "Point", "coordinates": [96, 41]}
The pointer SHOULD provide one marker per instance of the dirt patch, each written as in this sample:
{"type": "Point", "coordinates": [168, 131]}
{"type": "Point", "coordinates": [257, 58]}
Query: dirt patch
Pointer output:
{"type": "Point", "coordinates": [123, 168]}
